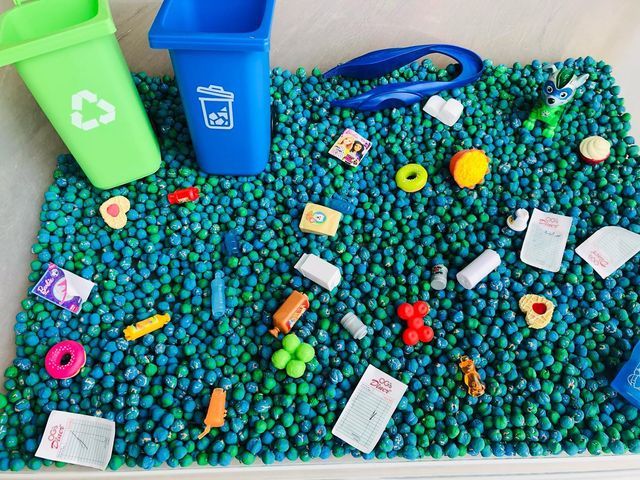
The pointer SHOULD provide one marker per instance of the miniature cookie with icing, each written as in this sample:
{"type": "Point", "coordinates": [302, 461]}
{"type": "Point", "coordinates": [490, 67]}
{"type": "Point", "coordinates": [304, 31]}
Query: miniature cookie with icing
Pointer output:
{"type": "Point", "coordinates": [538, 310]}
{"type": "Point", "coordinates": [594, 150]}
{"type": "Point", "coordinates": [114, 211]}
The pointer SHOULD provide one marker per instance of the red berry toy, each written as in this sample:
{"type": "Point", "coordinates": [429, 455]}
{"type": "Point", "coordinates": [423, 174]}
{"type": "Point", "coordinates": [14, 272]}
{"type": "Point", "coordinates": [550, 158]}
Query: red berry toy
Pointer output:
{"type": "Point", "coordinates": [421, 308]}
{"type": "Point", "coordinates": [425, 334]}
{"type": "Point", "coordinates": [405, 311]}
{"type": "Point", "coordinates": [416, 330]}
{"type": "Point", "coordinates": [410, 337]}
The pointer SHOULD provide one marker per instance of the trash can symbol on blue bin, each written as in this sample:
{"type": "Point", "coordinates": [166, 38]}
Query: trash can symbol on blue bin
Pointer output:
{"type": "Point", "coordinates": [217, 107]}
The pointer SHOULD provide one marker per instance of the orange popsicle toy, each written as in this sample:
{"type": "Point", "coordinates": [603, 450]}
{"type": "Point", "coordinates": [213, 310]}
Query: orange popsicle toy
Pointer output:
{"type": "Point", "coordinates": [216, 412]}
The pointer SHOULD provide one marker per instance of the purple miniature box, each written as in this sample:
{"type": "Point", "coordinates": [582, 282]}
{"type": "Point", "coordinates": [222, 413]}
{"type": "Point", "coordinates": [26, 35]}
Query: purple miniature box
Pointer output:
{"type": "Point", "coordinates": [63, 288]}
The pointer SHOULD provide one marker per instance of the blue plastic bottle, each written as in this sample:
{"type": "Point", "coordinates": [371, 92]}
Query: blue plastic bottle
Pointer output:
{"type": "Point", "coordinates": [220, 55]}
{"type": "Point", "coordinates": [218, 297]}
{"type": "Point", "coordinates": [230, 244]}
{"type": "Point", "coordinates": [627, 382]}
{"type": "Point", "coordinates": [341, 204]}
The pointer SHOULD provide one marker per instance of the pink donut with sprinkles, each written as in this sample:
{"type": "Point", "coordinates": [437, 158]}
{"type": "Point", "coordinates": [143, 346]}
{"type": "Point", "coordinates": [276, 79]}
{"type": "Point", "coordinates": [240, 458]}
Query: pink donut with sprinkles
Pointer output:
{"type": "Point", "coordinates": [65, 360]}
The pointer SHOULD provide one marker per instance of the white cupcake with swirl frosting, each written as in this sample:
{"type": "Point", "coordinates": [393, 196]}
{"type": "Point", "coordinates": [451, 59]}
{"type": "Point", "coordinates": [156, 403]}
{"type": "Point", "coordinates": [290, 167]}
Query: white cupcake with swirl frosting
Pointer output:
{"type": "Point", "coordinates": [595, 150]}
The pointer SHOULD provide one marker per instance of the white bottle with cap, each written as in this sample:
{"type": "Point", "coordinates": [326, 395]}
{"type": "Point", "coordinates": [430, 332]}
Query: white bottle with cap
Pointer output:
{"type": "Point", "coordinates": [439, 277]}
{"type": "Point", "coordinates": [357, 329]}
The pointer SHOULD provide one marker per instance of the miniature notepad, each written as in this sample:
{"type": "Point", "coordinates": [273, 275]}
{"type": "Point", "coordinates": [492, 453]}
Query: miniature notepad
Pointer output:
{"type": "Point", "coordinates": [78, 439]}
{"type": "Point", "coordinates": [320, 220]}
{"type": "Point", "coordinates": [369, 409]}
{"type": "Point", "coordinates": [545, 241]}
{"type": "Point", "coordinates": [63, 288]}
{"type": "Point", "coordinates": [609, 248]}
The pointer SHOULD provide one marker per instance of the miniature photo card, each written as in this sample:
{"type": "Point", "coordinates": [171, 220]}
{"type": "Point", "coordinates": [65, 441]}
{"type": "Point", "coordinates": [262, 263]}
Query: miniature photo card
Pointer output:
{"type": "Point", "coordinates": [351, 148]}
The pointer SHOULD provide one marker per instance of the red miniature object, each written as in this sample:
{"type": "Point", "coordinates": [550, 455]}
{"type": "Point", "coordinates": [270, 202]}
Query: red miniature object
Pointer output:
{"type": "Point", "coordinates": [421, 308]}
{"type": "Point", "coordinates": [405, 311]}
{"type": "Point", "coordinates": [425, 334]}
{"type": "Point", "coordinates": [410, 337]}
{"type": "Point", "coordinates": [415, 323]}
{"type": "Point", "coordinates": [183, 196]}
{"type": "Point", "coordinates": [416, 330]}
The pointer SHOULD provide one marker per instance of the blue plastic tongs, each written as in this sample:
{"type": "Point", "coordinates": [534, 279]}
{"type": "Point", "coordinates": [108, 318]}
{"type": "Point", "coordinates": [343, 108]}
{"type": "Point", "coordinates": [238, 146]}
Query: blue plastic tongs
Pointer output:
{"type": "Point", "coordinates": [393, 95]}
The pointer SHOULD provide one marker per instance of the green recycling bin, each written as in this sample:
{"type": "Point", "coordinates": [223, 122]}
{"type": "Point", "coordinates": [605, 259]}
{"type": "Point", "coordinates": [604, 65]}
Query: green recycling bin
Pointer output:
{"type": "Point", "coordinates": [68, 56]}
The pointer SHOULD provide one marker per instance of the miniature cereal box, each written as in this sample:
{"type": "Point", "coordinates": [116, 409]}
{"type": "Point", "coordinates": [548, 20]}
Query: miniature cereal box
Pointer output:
{"type": "Point", "coordinates": [63, 288]}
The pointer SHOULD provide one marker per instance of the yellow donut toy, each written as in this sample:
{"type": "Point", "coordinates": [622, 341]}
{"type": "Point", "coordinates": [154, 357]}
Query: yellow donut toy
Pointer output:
{"type": "Point", "coordinates": [411, 178]}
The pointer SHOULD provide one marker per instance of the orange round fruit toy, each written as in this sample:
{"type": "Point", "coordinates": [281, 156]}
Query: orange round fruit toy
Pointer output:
{"type": "Point", "coordinates": [469, 167]}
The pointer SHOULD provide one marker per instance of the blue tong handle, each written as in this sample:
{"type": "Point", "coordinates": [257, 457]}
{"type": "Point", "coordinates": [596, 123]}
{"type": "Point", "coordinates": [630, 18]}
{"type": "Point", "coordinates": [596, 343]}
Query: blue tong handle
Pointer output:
{"type": "Point", "coordinates": [394, 95]}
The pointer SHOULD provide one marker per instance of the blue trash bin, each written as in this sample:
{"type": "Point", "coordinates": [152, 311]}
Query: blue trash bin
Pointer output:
{"type": "Point", "coordinates": [220, 55]}
{"type": "Point", "coordinates": [627, 382]}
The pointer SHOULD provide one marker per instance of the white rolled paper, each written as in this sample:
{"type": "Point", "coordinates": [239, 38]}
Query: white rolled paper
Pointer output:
{"type": "Point", "coordinates": [482, 266]}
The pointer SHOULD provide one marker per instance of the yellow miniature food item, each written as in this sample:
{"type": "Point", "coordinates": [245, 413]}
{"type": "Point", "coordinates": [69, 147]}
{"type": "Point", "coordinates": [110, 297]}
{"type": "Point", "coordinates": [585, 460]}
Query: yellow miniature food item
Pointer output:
{"type": "Point", "coordinates": [469, 167]}
{"type": "Point", "coordinates": [538, 310]}
{"type": "Point", "coordinates": [148, 325]}
{"type": "Point", "coordinates": [114, 211]}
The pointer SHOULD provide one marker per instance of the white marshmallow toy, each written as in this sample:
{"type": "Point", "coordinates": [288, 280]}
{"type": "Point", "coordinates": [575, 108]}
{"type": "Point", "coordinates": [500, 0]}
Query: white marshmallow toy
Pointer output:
{"type": "Point", "coordinates": [448, 112]}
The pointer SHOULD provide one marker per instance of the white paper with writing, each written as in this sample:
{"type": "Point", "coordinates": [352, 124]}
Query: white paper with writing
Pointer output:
{"type": "Point", "coordinates": [78, 439]}
{"type": "Point", "coordinates": [545, 241]}
{"type": "Point", "coordinates": [369, 409]}
{"type": "Point", "coordinates": [609, 248]}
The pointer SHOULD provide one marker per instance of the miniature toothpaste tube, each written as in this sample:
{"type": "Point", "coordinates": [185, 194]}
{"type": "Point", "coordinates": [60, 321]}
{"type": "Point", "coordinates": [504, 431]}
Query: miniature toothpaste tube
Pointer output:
{"type": "Point", "coordinates": [477, 270]}
{"type": "Point", "coordinates": [319, 271]}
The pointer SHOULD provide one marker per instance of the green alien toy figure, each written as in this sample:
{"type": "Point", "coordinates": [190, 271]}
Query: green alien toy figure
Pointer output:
{"type": "Point", "coordinates": [558, 90]}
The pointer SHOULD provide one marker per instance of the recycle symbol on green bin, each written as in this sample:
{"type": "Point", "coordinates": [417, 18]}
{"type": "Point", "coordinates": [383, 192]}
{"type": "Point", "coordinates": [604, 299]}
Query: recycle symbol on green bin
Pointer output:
{"type": "Point", "coordinates": [78, 102]}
